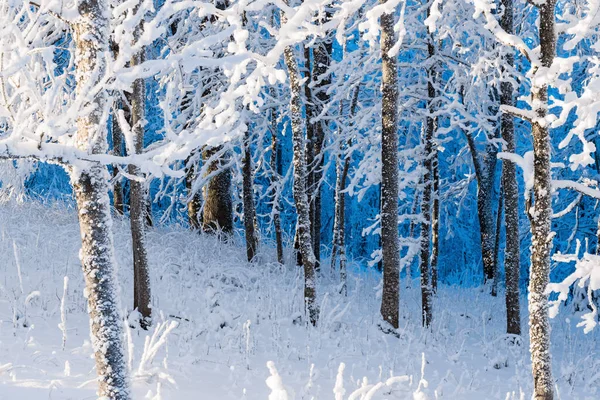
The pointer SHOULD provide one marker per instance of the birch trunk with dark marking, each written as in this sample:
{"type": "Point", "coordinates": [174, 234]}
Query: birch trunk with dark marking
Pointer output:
{"type": "Point", "coordinates": [428, 155]}
{"type": "Point", "coordinates": [248, 201]}
{"type": "Point", "coordinates": [390, 245]}
{"type": "Point", "coordinates": [90, 186]}
{"type": "Point", "coordinates": [540, 216]}
{"type": "Point", "coordinates": [218, 207]}
{"type": "Point", "coordinates": [137, 199]}
{"type": "Point", "coordinates": [299, 187]}
{"type": "Point", "coordinates": [511, 195]}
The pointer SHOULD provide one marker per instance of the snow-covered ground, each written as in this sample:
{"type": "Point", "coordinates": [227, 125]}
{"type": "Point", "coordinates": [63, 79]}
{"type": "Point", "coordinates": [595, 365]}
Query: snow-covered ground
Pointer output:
{"type": "Point", "coordinates": [232, 318]}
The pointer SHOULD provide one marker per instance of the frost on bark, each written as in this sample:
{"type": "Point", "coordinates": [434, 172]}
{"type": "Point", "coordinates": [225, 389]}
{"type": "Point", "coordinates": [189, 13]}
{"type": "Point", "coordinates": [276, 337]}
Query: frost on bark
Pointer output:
{"type": "Point", "coordinates": [511, 195]}
{"type": "Point", "coordinates": [303, 229]}
{"type": "Point", "coordinates": [137, 199]}
{"type": "Point", "coordinates": [540, 215]}
{"type": "Point", "coordinates": [218, 208]}
{"type": "Point", "coordinates": [275, 177]}
{"type": "Point", "coordinates": [91, 188]}
{"type": "Point", "coordinates": [389, 174]}
{"type": "Point", "coordinates": [248, 201]}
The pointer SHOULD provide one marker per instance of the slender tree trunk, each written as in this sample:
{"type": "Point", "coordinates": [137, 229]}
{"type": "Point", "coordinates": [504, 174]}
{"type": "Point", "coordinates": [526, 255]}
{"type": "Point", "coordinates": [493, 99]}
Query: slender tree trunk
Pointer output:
{"type": "Point", "coordinates": [137, 200]}
{"type": "Point", "coordinates": [218, 208]}
{"type": "Point", "coordinates": [91, 188]}
{"type": "Point", "coordinates": [512, 254]}
{"type": "Point", "coordinates": [275, 177]}
{"type": "Point", "coordinates": [248, 200]}
{"type": "Point", "coordinates": [540, 216]}
{"type": "Point", "coordinates": [117, 139]}
{"type": "Point", "coordinates": [486, 222]}
{"type": "Point", "coordinates": [299, 189]}
{"type": "Point", "coordinates": [497, 243]}
{"type": "Point", "coordinates": [310, 148]}
{"type": "Point", "coordinates": [322, 79]}
{"type": "Point", "coordinates": [339, 225]}
{"type": "Point", "coordinates": [429, 154]}
{"type": "Point", "coordinates": [435, 224]}
{"type": "Point", "coordinates": [389, 174]}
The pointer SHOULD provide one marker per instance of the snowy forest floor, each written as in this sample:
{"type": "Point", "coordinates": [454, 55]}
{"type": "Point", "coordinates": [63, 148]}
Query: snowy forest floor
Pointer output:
{"type": "Point", "coordinates": [233, 317]}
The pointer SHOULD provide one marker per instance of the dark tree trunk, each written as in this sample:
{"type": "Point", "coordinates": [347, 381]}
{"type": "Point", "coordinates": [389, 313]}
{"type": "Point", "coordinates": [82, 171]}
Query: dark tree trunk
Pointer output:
{"type": "Point", "coordinates": [429, 156]}
{"type": "Point", "coordinates": [137, 202]}
{"type": "Point", "coordinates": [276, 170]}
{"type": "Point", "coordinates": [435, 225]}
{"type": "Point", "coordinates": [497, 243]}
{"type": "Point", "coordinates": [389, 174]}
{"type": "Point", "coordinates": [248, 201]}
{"type": "Point", "coordinates": [511, 195]}
{"type": "Point", "coordinates": [194, 203]}
{"type": "Point", "coordinates": [218, 208]}
{"type": "Point", "coordinates": [117, 139]}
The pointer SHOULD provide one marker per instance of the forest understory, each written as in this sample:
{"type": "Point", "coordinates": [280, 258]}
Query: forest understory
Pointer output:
{"type": "Point", "coordinates": [218, 320]}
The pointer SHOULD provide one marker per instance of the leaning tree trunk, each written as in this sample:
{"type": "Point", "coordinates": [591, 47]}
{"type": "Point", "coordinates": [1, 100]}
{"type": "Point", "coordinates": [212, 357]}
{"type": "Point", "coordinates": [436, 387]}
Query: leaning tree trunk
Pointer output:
{"type": "Point", "coordinates": [137, 201]}
{"type": "Point", "coordinates": [90, 185]}
{"type": "Point", "coordinates": [275, 179]}
{"type": "Point", "coordinates": [511, 195]}
{"type": "Point", "coordinates": [248, 200]}
{"type": "Point", "coordinates": [218, 208]}
{"type": "Point", "coordinates": [389, 173]}
{"type": "Point", "coordinates": [540, 217]}
{"type": "Point", "coordinates": [299, 188]}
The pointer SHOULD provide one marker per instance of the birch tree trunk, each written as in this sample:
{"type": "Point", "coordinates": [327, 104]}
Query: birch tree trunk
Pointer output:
{"type": "Point", "coordinates": [91, 188]}
{"type": "Point", "coordinates": [429, 155]}
{"type": "Point", "coordinates": [540, 216]}
{"type": "Point", "coordinates": [137, 201]}
{"type": "Point", "coordinates": [389, 173]}
{"type": "Point", "coordinates": [248, 201]}
{"type": "Point", "coordinates": [300, 197]}
{"type": "Point", "coordinates": [511, 195]}
{"type": "Point", "coordinates": [218, 208]}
